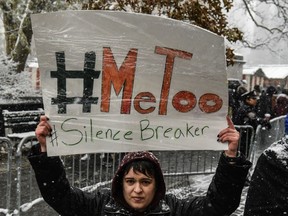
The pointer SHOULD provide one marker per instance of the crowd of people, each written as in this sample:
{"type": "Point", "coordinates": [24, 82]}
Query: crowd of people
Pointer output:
{"type": "Point", "coordinates": [256, 107]}
{"type": "Point", "coordinates": [138, 186]}
{"type": "Point", "coordinates": [268, 189]}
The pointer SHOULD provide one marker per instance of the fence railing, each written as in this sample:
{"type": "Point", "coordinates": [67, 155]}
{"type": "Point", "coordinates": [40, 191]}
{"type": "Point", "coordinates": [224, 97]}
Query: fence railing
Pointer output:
{"type": "Point", "coordinates": [6, 169]}
{"type": "Point", "coordinates": [91, 171]}
{"type": "Point", "coordinates": [264, 138]}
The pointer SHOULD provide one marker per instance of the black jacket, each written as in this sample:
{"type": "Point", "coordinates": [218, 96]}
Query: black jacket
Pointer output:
{"type": "Point", "coordinates": [268, 191]}
{"type": "Point", "coordinates": [246, 115]}
{"type": "Point", "coordinates": [223, 196]}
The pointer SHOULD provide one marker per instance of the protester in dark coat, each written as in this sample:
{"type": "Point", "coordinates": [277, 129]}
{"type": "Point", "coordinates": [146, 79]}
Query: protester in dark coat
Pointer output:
{"type": "Point", "coordinates": [138, 187]}
{"type": "Point", "coordinates": [268, 190]}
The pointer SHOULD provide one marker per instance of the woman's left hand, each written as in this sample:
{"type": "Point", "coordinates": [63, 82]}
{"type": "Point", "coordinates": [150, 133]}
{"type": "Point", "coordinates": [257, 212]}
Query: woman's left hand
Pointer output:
{"type": "Point", "coordinates": [230, 135]}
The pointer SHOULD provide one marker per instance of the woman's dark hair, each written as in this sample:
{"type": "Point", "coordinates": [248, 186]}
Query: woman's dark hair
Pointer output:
{"type": "Point", "coordinates": [141, 162]}
{"type": "Point", "coordinates": [142, 166]}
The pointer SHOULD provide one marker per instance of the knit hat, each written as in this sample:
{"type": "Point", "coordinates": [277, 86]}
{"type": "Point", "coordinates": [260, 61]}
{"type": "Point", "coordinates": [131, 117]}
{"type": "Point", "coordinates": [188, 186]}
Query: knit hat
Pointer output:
{"type": "Point", "coordinates": [117, 187]}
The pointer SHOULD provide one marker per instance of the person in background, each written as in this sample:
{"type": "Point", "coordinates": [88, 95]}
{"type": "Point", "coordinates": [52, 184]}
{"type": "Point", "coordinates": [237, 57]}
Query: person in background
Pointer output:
{"type": "Point", "coordinates": [257, 90]}
{"type": "Point", "coordinates": [246, 114]}
{"type": "Point", "coordinates": [266, 102]}
{"type": "Point", "coordinates": [268, 191]}
{"type": "Point", "coordinates": [232, 94]}
{"type": "Point", "coordinates": [240, 91]}
{"type": "Point", "coordinates": [281, 107]}
{"type": "Point", "coordinates": [138, 186]}
{"type": "Point", "coordinates": [235, 100]}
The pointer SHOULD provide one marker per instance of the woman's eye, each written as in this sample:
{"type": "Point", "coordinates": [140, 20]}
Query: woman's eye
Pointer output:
{"type": "Point", "coordinates": [130, 181]}
{"type": "Point", "coordinates": [146, 183]}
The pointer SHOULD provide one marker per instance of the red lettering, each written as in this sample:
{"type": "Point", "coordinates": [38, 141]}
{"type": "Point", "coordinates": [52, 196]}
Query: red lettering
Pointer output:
{"type": "Point", "coordinates": [210, 103]}
{"type": "Point", "coordinates": [184, 101]}
{"type": "Point", "coordinates": [171, 54]}
{"type": "Point", "coordinates": [120, 79]}
{"type": "Point", "coordinates": [144, 97]}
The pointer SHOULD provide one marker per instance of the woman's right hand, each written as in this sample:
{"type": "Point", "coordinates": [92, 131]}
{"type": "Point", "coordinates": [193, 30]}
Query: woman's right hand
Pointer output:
{"type": "Point", "coordinates": [43, 130]}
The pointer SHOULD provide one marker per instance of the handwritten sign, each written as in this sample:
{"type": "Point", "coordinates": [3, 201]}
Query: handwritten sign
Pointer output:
{"type": "Point", "coordinates": [118, 82]}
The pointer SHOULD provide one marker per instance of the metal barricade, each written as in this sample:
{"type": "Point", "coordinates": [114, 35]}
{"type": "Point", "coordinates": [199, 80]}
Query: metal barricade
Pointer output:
{"type": "Point", "coordinates": [89, 172]}
{"type": "Point", "coordinates": [93, 171]}
{"type": "Point", "coordinates": [264, 138]}
{"type": "Point", "coordinates": [6, 148]}
{"type": "Point", "coordinates": [247, 135]}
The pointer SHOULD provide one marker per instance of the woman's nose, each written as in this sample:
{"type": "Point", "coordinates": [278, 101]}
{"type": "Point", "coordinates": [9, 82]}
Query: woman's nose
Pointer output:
{"type": "Point", "coordinates": [138, 188]}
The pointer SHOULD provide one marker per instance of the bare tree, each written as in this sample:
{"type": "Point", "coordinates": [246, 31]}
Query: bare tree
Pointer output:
{"type": "Point", "coordinates": [17, 25]}
{"type": "Point", "coordinates": [270, 18]}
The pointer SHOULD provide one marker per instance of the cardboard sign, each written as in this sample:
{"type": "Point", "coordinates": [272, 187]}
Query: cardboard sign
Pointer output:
{"type": "Point", "coordinates": [118, 82]}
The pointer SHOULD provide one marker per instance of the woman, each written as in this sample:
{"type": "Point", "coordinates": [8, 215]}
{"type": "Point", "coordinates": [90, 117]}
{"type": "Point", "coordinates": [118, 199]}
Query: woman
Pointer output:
{"type": "Point", "coordinates": [138, 187]}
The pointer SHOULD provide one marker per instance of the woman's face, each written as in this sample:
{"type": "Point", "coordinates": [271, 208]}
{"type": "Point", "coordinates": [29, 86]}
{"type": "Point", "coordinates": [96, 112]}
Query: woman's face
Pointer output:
{"type": "Point", "coordinates": [138, 190]}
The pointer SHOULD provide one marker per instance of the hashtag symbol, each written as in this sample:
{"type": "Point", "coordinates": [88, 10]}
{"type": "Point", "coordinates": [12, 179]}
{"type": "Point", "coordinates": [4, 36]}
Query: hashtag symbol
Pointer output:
{"type": "Point", "coordinates": [88, 75]}
{"type": "Point", "coordinates": [54, 137]}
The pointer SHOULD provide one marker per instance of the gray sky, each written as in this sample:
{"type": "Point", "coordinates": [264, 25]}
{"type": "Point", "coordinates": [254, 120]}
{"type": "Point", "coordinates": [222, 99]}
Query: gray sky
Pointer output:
{"type": "Point", "coordinates": [239, 18]}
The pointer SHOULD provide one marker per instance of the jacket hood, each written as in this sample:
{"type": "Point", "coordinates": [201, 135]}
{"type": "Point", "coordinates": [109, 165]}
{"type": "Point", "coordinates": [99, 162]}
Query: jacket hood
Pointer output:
{"type": "Point", "coordinates": [117, 188]}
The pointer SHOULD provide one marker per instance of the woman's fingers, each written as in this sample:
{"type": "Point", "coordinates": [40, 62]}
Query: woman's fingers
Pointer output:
{"type": "Point", "coordinates": [229, 122]}
{"type": "Point", "coordinates": [43, 130]}
{"type": "Point", "coordinates": [230, 135]}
